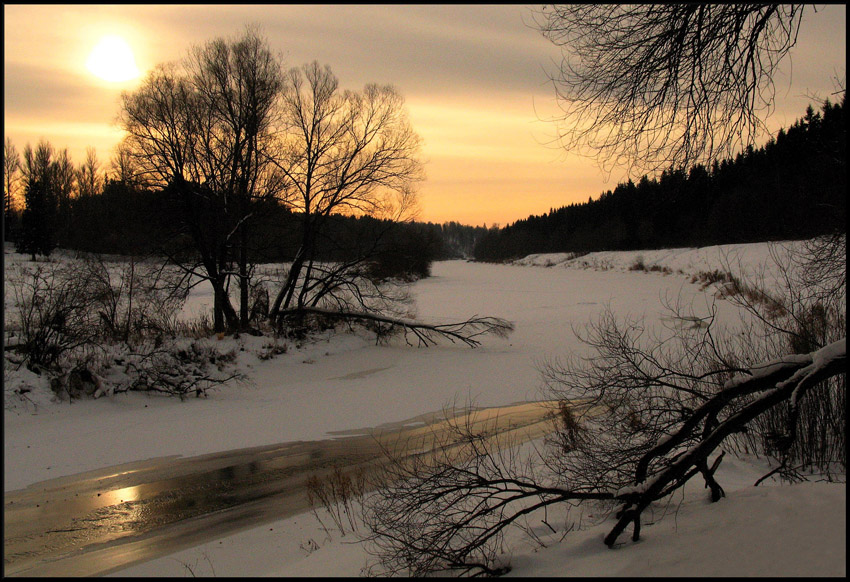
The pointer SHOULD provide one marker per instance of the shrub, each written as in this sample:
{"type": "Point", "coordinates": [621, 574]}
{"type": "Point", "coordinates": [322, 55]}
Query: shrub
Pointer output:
{"type": "Point", "coordinates": [179, 369]}
{"type": "Point", "coordinates": [80, 320]}
{"type": "Point", "coordinates": [638, 265]}
{"type": "Point", "coordinates": [55, 309]}
{"type": "Point", "coordinates": [339, 493]}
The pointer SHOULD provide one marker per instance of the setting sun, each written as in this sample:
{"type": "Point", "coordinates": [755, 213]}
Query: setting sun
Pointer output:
{"type": "Point", "coordinates": [112, 60]}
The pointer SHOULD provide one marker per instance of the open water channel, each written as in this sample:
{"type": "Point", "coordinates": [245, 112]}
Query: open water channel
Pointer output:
{"type": "Point", "coordinates": [102, 521]}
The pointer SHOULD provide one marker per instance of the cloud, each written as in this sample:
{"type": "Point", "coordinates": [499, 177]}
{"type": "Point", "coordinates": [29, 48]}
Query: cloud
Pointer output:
{"type": "Point", "coordinates": [33, 91]}
{"type": "Point", "coordinates": [474, 78]}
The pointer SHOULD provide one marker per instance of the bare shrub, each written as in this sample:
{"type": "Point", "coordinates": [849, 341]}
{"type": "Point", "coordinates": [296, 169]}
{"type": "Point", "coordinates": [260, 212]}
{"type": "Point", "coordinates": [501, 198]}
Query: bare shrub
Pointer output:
{"type": "Point", "coordinates": [82, 303]}
{"type": "Point", "coordinates": [55, 308]}
{"type": "Point", "coordinates": [634, 391]}
{"type": "Point", "coordinates": [84, 320]}
{"type": "Point", "coordinates": [134, 298]}
{"type": "Point", "coordinates": [198, 327]}
{"type": "Point", "coordinates": [659, 269]}
{"type": "Point", "coordinates": [178, 369]}
{"type": "Point", "coordinates": [643, 422]}
{"type": "Point", "coordinates": [270, 350]}
{"type": "Point", "coordinates": [706, 278]}
{"type": "Point", "coordinates": [445, 511]}
{"type": "Point", "coordinates": [340, 494]}
{"type": "Point", "coordinates": [638, 265]}
{"type": "Point", "coordinates": [804, 311]}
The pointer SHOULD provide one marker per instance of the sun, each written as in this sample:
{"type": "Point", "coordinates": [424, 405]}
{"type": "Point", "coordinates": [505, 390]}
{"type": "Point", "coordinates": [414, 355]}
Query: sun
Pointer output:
{"type": "Point", "coordinates": [112, 60]}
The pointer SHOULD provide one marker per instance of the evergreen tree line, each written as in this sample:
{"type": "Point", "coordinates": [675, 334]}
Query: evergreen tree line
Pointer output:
{"type": "Point", "coordinates": [793, 187]}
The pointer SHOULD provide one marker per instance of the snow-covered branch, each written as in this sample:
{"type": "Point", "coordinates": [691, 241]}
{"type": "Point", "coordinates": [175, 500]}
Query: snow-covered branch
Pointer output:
{"type": "Point", "coordinates": [773, 383]}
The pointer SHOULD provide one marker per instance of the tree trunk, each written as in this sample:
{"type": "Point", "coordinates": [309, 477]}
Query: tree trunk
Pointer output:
{"type": "Point", "coordinates": [226, 318]}
{"type": "Point", "coordinates": [243, 278]}
{"type": "Point", "coordinates": [284, 297]}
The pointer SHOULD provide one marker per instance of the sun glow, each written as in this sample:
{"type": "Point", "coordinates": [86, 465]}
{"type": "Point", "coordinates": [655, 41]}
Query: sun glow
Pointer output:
{"type": "Point", "coordinates": [112, 60]}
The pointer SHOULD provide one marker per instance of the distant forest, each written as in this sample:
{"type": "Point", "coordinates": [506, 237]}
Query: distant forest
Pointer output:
{"type": "Point", "coordinates": [128, 220]}
{"type": "Point", "coordinates": [794, 187]}
{"type": "Point", "coordinates": [124, 219]}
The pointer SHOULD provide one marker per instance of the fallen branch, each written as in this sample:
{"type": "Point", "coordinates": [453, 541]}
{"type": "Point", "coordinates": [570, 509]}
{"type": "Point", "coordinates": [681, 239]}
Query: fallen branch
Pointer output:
{"type": "Point", "coordinates": [788, 379]}
{"type": "Point", "coordinates": [425, 334]}
{"type": "Point", "coordinates": [446, 512]}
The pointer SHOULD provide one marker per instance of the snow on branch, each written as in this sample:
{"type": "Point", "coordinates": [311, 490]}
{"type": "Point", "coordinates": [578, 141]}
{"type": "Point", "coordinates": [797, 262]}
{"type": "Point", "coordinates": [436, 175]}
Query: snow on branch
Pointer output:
{"type": "Point", "coordinates": [446, 512]}
{"type": "Point", "coordinates": [783, 383]}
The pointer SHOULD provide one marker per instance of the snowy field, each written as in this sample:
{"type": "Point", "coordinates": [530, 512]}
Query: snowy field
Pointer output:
{"type": "Point", "coordinates": [343, 382]}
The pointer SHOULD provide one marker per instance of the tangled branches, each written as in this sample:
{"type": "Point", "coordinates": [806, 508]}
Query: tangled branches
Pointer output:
{"type": "Point", "coordinates": [446, 510]}
{"type": "Point", "coordinates": [634, 428]}
{"type": "Point", "coordinates": [685, 452]}
{"type": "Point", "coordinates": [654, 85]}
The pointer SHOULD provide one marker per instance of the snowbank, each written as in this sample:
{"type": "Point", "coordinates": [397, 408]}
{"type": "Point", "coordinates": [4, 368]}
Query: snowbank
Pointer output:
{"type": "Point", "coordinates": [344, 382]}
{"type": "Point", "coordinates": [742, 260]}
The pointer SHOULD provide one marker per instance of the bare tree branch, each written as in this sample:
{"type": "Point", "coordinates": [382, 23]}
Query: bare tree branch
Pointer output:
{"type": "Point", "coordinates": [465, 332]}
{"type": "Point", "coordinates": [648, 86]}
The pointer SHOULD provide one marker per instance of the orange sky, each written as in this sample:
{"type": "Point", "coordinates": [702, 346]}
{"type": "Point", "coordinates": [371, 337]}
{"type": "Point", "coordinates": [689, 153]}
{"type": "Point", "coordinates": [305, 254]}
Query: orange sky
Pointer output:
{"type": "Point", "coordinates": [473, 77]}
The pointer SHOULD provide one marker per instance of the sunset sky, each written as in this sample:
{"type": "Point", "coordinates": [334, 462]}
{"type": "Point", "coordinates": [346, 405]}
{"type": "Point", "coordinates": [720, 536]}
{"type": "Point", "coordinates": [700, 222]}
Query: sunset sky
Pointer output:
{"type": "Point", "coordinates": [473, 76]}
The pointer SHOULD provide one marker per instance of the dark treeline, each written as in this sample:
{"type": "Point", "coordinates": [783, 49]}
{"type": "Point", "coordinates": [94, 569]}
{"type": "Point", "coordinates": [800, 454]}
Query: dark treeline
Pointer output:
{"type": "Point", "coordinates": [794, 187]}
{"type": "Point", "coordinates": [126, 220]}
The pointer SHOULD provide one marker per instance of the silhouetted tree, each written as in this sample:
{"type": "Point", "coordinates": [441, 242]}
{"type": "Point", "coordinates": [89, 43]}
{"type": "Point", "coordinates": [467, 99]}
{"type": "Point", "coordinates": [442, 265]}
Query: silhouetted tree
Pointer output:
{"type": "Point", "coordinates": [11, 171]}
{"type": "Point", "coordinates": [346, 152]}
{"type": "Point", "coordinates": [123, 167]}
{"type": "Point", "coordinates": [653, 85]}
{"type": "Point", "coordinates": [89, 178]}
{"type": "Point", "coordinates": [201, 130]}
{"type": "Point", "coordinates": [64, 182]}
{"type": "Point", "coordinates": [38, 221]}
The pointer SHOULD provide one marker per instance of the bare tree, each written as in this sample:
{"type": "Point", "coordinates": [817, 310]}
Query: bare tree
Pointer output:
{"type": "Point", "coordinates": [201, 130]}
{"type": "Point", "coordinates": [226, 129]}
{"type": "Point", "coordinates": [446, 510]}
{"type": "Point", "coordinates": [240, 84]}
{"type": "Point", "coordinates": [11, 176]}
{"type": "Point", "coordinates": [89, 178]}
{"type": "Point", "coordinates": [633, 426]}
{"type": "Point", "coordinates": [648, 86]}
{"type": "Point", "coordinates": [345, 152]}
{"type": "Point", "coordinates": [123, 167]}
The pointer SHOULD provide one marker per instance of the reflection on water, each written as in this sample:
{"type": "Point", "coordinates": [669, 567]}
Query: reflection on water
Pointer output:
{"type": "Point", "coordinates": [106, 520]}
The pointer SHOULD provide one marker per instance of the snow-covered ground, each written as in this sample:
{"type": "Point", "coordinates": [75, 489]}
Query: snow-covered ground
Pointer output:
{"type": "Point", "coordinates": [749, 261]}
{"type": "Point", "coordinates": [344, 381]}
